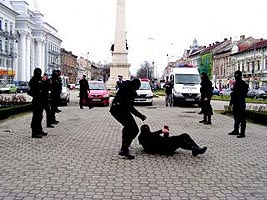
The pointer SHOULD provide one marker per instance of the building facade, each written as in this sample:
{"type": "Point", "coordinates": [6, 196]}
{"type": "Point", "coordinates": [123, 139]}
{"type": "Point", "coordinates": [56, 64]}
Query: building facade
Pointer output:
{"type": "Point", "coordinates": [8, 42]}
{"type": "Point", "coordinates": [69, 65]}
{"type": "Point", "coordinates": [37, 43]}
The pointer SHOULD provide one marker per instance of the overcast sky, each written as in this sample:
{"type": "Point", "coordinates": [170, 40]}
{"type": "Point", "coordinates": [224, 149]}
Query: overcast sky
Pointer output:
{"type": "Point", "coordinates": [155, 28]}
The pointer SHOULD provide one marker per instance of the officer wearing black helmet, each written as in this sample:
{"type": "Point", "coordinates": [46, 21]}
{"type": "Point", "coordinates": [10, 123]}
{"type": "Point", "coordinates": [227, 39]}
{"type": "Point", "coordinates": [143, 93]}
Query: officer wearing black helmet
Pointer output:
{"type": "Point", "coordinates": [238, 103]}
{"type": "Point", "coordinates": [38, 91]}
{"type": "Point", "coordinates": [122, 110]}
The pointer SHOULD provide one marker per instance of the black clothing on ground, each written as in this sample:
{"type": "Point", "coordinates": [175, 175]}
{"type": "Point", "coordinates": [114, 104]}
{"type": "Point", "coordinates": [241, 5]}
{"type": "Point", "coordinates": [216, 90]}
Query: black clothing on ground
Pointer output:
{"type": "Point", "coordinates": [206, 94]}
{"type": "Point", "coordinates": [153, 142]}
{"type": "Point", "coordinates": [122, 108]}
{"type": "Point", "coordinates": [238, 95]}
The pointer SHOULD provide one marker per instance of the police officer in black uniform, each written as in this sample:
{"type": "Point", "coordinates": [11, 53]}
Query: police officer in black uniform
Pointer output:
{"type": "Point", "coordinates": [56, 88]}
{"type": "Point", "coordinates": [38, 92]}
{"type": "Point", "coordinates": [238, 103]}
{"type": "Point", "coordinates": [122, 109]}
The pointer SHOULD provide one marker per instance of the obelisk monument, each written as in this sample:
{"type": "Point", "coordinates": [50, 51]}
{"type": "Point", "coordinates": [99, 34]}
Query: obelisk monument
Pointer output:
{"type": "Point", "coordinates": [119, 65]}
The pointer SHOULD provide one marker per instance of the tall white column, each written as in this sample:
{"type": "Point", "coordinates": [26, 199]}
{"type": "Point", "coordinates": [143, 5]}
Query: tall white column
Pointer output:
{"type": "Point", "coordinates": [28, 57]}
{"type": "Point", "coordinates": [22, 53]}
{"type": "Point", "coordinates": [39, 51]}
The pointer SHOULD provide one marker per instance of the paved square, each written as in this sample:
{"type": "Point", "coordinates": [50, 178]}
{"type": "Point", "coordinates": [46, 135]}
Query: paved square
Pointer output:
{"type": "Point", "coordinates": [78, 159]}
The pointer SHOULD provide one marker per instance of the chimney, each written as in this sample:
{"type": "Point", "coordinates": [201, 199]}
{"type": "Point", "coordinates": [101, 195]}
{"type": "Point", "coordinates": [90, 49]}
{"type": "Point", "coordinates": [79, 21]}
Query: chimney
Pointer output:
{"type": "Point", "coordinates": [225, 39]}
{"type": "Point", "coordinates": [242, 37]}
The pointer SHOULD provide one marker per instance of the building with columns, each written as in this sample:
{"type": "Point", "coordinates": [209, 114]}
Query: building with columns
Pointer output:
{"type": "Point", "coordinates": [37, 43]}
{"type": "Point", "coordinates": [8, 42]}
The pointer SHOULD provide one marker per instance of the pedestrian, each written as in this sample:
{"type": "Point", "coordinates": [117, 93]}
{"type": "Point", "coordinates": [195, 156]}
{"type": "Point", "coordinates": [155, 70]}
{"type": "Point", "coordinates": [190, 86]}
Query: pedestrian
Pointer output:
{"type": "Point", "coordinates": [119, 81]}
{"type": "Point", "coordinates": [122, 109]}
{"type": "Point", "coordinates": [39, 99]}
{"type": "Point", "coordinates": [156, 143]}
{"type": "Point", "coordinates": [84, 90]}
{"type": "Point", "coordinates": [168, 92]}
{"type": "Point", "coordinates": [238, 95]}
{"type": "Point", "coordinates": [56, 87]}
{"type": "Point", "coordinates": [206, 94]}
{"type": "Point", "coordinates": [47, 106]}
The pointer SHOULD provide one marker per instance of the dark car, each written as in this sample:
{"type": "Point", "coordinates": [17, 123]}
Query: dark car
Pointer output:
{"type": "Point", "coordinates": [251, 93]}
{"type": "Point", "coordinates": [22, 86]}
{"type": "Point", "coordinates": [260, 94]}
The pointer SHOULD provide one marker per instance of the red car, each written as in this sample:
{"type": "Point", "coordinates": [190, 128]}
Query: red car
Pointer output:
{"type": "Point", "coordinates": [99, 95]}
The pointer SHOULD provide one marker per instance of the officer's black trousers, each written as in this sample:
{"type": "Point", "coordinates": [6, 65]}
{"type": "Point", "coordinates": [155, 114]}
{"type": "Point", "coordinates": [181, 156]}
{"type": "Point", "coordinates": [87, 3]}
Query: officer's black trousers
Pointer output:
{"type": "Point", "coordinates": [37, 116]}
{"type": "Point", "coordinates": [130, 128]}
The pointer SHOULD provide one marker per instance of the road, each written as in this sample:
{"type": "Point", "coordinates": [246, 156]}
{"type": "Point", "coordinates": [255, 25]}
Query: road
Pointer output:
{"type": "Point", "coordinates": [78, 159]}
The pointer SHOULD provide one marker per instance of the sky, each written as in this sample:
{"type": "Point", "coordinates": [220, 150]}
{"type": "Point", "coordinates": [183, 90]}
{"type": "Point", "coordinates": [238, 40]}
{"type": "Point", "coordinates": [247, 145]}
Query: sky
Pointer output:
{"type": "Point", "coordinates": [155, 28]}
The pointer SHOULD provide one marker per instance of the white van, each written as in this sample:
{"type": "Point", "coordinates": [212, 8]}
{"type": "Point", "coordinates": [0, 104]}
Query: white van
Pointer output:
{"type": "Point", "coordinates": [186, 85]}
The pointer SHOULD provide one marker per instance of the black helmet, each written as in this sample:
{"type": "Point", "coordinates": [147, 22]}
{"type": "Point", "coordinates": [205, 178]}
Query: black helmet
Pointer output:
{"type": "Point", "coordinates": [135, 84]}
{"type": "Point", "coordinates": [37, 72]}
{"type": "Point", "coordinates": [238, 75]}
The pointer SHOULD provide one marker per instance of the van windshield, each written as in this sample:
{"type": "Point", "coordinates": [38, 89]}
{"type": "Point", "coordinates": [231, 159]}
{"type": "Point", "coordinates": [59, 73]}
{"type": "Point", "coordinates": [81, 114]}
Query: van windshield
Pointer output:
{"type": "Point", "coordinates": [187, 79]}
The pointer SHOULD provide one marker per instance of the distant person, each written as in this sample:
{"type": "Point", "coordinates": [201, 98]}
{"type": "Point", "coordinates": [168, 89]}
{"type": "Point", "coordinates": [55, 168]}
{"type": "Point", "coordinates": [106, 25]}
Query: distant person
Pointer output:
{"type": "Point", "coordinates": [47, 108]}
{"type": "Point", "coordinates": [122, 109]}
{"type": "Point", "coordinates": [119, 82]}
{"type": "Point", "coordinates": [238, 95]}
{"type": "Point", "coordinates": [168, 92]}
{"type": "Point", "coordinates": [56, 87]}
{"type": "Point", "coordinates": [84, 90]}
{"type": "Point", "coordinates": [159, 142]}
{"type": "Point", "coordinates": [206, 94]}
{"type": "Point", "coordinates": [38, 93]}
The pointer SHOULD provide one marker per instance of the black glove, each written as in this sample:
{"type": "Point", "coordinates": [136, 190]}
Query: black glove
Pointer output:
{"type": "Point", "coordinates": [143, 117]}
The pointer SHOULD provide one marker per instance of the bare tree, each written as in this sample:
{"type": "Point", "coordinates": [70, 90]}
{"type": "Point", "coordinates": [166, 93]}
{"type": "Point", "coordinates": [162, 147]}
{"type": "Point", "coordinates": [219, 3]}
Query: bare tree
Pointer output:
{"type": "Point", "coordinates": [146, 70]}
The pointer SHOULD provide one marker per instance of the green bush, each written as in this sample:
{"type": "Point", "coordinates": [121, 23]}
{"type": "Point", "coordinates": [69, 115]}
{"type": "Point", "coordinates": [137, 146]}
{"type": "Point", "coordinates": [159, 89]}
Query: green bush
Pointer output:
{"type": "Point", "coordinates": [14, 110]}
{"type": "Point", "coordinates": [256, 117]}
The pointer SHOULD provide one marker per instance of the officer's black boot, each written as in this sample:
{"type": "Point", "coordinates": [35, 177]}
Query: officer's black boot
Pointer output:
{"type": "Point", "coordinates": [196, 150]}
{"type": "Point", "coordinates": [209, 120]}
{"type": "Point", "coordinates": [235, 131]}
{"type": "Point", "coordinates": [204, 119]}
{"type": "Point", "coordinates": [242, 132]}
{"type": "Point", "coordinates": [124, 151]}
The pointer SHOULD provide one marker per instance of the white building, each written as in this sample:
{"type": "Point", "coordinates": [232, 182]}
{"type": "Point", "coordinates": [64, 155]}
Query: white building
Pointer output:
{"type": "Point", "coordinates": [8, 45]}
{"type": "Point", "coordinates": [38, 45]}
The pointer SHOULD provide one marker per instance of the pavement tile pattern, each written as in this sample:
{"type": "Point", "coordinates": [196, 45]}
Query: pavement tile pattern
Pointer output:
{"type": "Point", "coordinates": [79, 159]}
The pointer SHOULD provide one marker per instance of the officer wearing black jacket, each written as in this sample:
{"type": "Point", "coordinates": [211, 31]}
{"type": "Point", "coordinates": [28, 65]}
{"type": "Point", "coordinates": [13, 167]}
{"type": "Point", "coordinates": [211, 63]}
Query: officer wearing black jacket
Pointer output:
{"type": "Point", "coordinates": [56, 87]}
{"type": "Point", "coordinates": [154, 143]}
{"type": "Point", "coordinates": [122, 109]}
{"type": "Point", "coordinates": [38, 91]}
{"type": "Point", "coordinates": [238, 102]}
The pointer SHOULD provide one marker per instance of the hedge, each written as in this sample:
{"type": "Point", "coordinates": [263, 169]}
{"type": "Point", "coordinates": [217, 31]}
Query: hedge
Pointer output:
{"type": "Point", "coordinates": [9, 111]}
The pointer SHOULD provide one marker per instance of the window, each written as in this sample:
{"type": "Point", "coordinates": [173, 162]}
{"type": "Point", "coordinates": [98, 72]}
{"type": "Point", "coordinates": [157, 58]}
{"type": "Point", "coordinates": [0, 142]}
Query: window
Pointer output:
{"type": "Point", "coordinates": [6, 26]}
{"type": "Point", "coordinates": [1, 24]}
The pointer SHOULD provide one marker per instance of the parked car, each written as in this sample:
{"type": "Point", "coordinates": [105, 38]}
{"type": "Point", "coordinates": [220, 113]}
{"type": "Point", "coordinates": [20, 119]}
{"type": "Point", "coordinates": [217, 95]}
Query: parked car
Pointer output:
{"type": "Point", "coordinates": [65, 93]}
{"type": "Point", "coordinates": [22, 86]}
{"type": "Point", "coordinates": [144, 94]}
{"type": "Point", "coordinates": [264, 88]}
{"type": "Point", "coordinates": [216, 91]}
{"type": "Point", "coordinates": [251, 93]}
{"type": "Point", "coordinates": [260, 94]}
{"type": "Point", "coordinates": [8, 88]}
{"type": "Point", "coordinates": [225, 92]}
{"type": "Point", "coordinates": [99, 94]}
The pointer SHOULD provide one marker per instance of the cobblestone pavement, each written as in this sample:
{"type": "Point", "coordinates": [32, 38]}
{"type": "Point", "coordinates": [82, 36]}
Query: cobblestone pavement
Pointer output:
{"type": "Point", "coordinates": [78, 159]}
